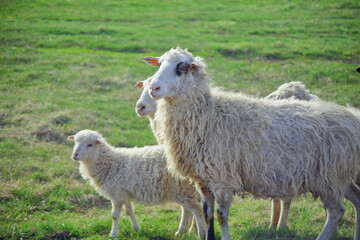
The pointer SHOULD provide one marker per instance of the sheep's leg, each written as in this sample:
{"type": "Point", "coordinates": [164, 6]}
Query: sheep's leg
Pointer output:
{"type": "Point", "coordinates": [335, 211]}
{"type": "Point", "coordinates": [130, 212]}
{"type": "Point", "coordinates": [285, 207]}
{"type": "Point", "coordinates": [275, 212]}
{"type": "Point", "coordinates": [353, 195]}
{"type": "Point", "coordinates": [223, 200]}
{"type": "Point", "coordinates": [208, 208]}
{"type": "Point", "coordinates": [116, 210]}
{"type": "Point", "coordinates": [185, 221]}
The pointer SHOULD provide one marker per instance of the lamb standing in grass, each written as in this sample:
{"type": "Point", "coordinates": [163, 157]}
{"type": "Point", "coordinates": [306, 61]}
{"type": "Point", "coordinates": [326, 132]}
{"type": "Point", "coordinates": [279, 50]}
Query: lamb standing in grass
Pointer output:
{"type": "Point", "coordinates": [124, 175]}
{"type": "Point", "coordinates": [270, 148]}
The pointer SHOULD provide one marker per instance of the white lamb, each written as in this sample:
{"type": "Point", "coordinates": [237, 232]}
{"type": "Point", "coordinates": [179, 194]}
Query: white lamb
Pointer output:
{"type": "Point", "coordinates": [123, 175]}
{"type": "Point", "coordinates": [270, 148]}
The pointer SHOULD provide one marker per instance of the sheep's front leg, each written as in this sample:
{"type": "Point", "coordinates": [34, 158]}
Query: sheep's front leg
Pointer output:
{"type": "Point", "coordinates": [223, 200]}
{"type": "Point", "coordinates": [130, 212]}
{"type": "Point", "coordinates": [208, 209]}
{"type": "Point", "coordinates": [116, 210]}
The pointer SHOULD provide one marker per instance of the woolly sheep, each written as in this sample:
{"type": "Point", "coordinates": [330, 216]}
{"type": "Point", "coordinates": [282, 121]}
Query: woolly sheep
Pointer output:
{"type": "Point", "coordinates": [123, 175]}
{"type": "Point", "coordinates": [146, 106]}
{"type": "Point", "coordinates": [293, 90]}
{"type": "Point", "coordinates": [270, 148]}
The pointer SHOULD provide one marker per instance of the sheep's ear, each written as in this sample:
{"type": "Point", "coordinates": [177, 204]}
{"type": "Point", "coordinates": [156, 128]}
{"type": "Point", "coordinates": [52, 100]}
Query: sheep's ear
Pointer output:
{"type": "Point", "coordinates": [71, 138]}
{"type": "Point", "coordinates": [97, 142]}
{"type": "Point", "coordinates": [139, 84]}
{"type": "Point", "coordinates": [152, 61]}
{"type": "Point", "coordinates": [193, 67]}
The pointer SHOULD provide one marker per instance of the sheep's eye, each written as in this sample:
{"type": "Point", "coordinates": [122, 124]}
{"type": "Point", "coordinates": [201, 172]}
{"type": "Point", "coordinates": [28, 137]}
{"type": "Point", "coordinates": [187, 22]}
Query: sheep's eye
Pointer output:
{"type": "Point", "coordinates": [90, 145]}
{"type": "Point", "coordinates": [181, 68]}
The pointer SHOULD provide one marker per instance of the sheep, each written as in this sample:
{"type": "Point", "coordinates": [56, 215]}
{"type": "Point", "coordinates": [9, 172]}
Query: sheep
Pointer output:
{"type": "Point", "coordinates": [146, 106]}
{"type": "Point", "coordinates": [270, 148]}
{"type": "Point", "coordinates": [293, 90]}
{"type": "Point", "coordinates": [124, 175]}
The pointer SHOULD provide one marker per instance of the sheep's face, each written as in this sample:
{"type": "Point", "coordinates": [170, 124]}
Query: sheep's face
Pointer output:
{"type": "Point", "coordinates": [174, 68]}
{"type": "Point", "coordinates": [145, 106]}
{"type": "Point", "coordinates": [86, 145]}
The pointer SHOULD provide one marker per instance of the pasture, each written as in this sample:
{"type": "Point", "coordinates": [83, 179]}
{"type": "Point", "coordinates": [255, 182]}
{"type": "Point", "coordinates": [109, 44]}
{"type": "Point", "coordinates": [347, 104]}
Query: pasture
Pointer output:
{"type": "Point", "coordinates": [68, 65]}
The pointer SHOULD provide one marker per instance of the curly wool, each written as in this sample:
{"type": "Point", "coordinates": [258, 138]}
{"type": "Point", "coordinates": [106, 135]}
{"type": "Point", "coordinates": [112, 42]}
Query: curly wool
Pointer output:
{"type": "Point", "coordinates": [271, 148]}
{"type": "Point", "coordinates": [134, 174]}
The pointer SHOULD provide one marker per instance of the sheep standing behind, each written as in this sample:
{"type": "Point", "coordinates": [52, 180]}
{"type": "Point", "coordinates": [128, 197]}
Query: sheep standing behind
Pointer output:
{"type": "Point", "coordinates": [294, 90]}
{"type": "Point", "coordinates": [270, 148]}
{"type": "Point", "coordinates": [124, 175]}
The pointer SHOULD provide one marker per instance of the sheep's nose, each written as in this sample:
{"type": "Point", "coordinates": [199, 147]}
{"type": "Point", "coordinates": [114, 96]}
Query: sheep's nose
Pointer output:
{"type": "Point", "coordinates": [140, 107]}
{"type": "Point", "coordinates": [75, 155]}
{"type": "Point", "coordinates": [155, 88]}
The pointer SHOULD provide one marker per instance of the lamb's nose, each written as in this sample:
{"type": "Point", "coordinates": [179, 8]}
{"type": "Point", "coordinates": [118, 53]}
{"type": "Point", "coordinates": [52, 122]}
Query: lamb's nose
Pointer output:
{"type": "Point", "coordinates": [75, 155]}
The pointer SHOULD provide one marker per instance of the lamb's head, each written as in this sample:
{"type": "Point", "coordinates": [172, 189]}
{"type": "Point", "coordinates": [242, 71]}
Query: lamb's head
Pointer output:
{"type": "Point", "coordinates": [145, 106]}
{"type": "Point", "coordinates": [86, 146]}
{"type": "Point", "coordinates": [175, 67]}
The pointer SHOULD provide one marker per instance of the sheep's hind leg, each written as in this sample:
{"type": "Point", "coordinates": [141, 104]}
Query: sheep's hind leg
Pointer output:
{"type": "Point", "coordinates": [185, 221]}
{"type": "Point", "coordinates": [116, 210]}
{"type": "Point", "coordinates": [353, 195]}
{"type": "Point", "coordinates": [223, 200]}
{"type": "Point", "coordinates": [335, 211]}
{"type": "Point", "coordinates": [130, 212]}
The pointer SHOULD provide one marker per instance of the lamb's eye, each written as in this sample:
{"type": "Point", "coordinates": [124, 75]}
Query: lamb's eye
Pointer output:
{"type": "Point", "coordinates": [90, 145]}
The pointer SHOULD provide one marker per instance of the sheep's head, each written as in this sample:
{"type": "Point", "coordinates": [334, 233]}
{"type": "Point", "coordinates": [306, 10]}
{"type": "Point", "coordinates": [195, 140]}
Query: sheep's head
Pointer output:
{"type": "Point", "coordinates": [145, 106]}
{"type": "Point", "coordinates": [174, 67]}
{"type": "Point", "coordinates": [86, 144]}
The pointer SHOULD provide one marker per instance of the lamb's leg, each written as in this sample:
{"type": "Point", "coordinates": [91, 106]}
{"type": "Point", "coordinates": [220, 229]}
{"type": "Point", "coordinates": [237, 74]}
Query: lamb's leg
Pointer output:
{"type": "Point", "coordinates": [185, 221]}
{"type": "Point", "coordinates": [285, 207]}
{"type": "Point", "coordinates": [193, 227]}
{"type": "Point", "coordinates": [116, 210]}
{"type": "Point", "coordinates": [208, 208]}
{"type": "Point", "coordinates": [130, 212]}
{"type": "Point", "coordinates": [353, 195]}
{"type": "Point", "coordinates": [275, 212]}
{"type": "Point", "coordinates": [335, 211]}
{"type": "Point", "coordinates": [223, 199]}
{"type": "Point", "coordinates": [195, 208]}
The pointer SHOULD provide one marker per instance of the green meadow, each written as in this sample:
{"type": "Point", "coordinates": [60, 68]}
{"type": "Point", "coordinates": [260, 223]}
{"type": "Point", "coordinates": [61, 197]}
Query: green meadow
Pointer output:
{"type": "Point", "coordinates": [68, 65]}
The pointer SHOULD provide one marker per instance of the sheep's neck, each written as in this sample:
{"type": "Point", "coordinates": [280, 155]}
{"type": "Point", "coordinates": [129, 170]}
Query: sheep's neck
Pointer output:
{"type": "Point", "coordinates": [97, 168]}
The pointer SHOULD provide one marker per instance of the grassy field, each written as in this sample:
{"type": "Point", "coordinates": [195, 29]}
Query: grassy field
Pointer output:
{"type": "Point", "coordinates": [68, 65]}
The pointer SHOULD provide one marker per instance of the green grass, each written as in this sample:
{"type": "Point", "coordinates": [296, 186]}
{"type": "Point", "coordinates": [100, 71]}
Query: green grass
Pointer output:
{"type": "Point", "coordinates": [67, 65]}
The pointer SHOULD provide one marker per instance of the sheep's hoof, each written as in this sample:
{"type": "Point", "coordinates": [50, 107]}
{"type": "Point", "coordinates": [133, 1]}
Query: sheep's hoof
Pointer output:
{"type": "Point", "coordinates": [136, 228]}
{"type": "Point", "coordinates": [113, 237]}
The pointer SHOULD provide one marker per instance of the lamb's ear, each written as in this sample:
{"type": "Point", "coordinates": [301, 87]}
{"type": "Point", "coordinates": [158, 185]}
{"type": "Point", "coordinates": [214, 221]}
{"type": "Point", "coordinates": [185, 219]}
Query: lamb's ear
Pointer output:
{"type": "Point", "coordinates": [152, 61]}
{"type": "Point", "coordinates": [193, 67]}
{"type": "Point", "coordinates": [71, 138]}
{"type": "Point", "coordinates": [139, 84]}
